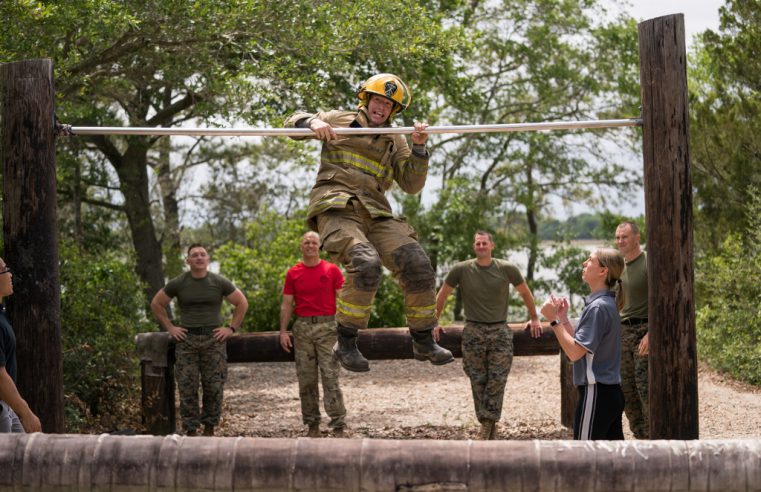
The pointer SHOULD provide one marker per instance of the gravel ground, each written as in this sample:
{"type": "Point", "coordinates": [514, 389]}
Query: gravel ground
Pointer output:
{"type": "Point", "coordinates": [413, 400]}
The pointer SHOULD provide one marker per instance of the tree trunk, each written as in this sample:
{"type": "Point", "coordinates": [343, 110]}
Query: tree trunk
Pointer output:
{"type": "Point", "coordinates": [457, 305]}
{"type": "Point", "coordinates": [533, 228]}
{"type": "Point", "coordinates": [76, 203]}
{"type": "Point", "coordinates": [171, 244]}
{"type": "Point", "coordinates": [179, 463]}
{"type": "Point", "coordinates": [134, 184]}
{"type": "Point", "coordinates": [381, 344]}
{"type": "Point", "coordinates": [533, 251]}
{"type": "Point", "coordinates": [30, 232]}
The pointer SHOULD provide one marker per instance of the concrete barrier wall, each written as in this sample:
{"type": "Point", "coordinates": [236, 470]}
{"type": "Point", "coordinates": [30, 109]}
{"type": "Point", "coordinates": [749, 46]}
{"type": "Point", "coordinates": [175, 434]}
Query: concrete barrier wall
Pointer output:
{"type": "Point", "coordinates": [52, 462]}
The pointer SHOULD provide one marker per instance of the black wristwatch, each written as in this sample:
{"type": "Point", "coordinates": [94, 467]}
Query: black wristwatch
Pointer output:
{"type": "Point", "coordinates": [232, 328]}
{"type": "Point", "coordinates": [554, 323]}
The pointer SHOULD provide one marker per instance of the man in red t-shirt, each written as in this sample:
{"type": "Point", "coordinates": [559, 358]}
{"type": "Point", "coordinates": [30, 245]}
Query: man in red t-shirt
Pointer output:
{"type": "Point", "coordinates": [312, 284]}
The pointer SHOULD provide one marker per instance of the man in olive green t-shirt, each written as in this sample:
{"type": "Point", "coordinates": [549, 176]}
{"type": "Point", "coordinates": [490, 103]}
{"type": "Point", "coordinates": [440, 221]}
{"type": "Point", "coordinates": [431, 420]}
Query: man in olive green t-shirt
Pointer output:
{"type": "Point", "coordinates": [487, 341]}
{"type": "Point", "coordinates": [634, 330]}
{"type": "Point", "coordinates": [201, 339]}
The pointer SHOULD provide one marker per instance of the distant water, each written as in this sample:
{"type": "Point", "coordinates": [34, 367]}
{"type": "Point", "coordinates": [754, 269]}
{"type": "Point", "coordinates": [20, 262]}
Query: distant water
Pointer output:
{"type": "Point", "coordinates": [520, 258]}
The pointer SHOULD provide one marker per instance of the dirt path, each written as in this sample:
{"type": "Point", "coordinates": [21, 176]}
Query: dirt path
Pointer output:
{"type": "Point", "coordinates": [411, 400]}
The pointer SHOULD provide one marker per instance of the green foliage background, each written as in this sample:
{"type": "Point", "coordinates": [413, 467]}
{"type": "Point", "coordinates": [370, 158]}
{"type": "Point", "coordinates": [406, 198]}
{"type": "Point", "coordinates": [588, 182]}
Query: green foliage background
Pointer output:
{"type": "Point", "coordinates": [728, 331]}
{"type": "Point", "coordinates": [101, 312]}
{"type": "Point", "coordinates": [259, 267]}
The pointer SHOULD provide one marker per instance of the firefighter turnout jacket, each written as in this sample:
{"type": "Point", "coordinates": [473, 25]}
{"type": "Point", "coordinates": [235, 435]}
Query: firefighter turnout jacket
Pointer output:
{"type": "Point", "coordinates": [361, 166]}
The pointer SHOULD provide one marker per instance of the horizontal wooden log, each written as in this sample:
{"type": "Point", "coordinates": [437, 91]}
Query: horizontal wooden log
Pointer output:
{"type": "Point", "coordinates": [382, 344]}
{"type": "Point", "coordinates": [129, 463]}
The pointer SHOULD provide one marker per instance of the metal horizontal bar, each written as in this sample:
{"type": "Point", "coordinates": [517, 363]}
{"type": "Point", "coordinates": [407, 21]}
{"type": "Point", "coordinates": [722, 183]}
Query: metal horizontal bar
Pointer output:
{"type": "Point", "coordinates": [305, 132]}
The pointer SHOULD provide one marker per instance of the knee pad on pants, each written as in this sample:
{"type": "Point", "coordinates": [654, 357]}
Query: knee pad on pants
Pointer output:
{"type": "Point", "coordinates": [415, 270]}
{"type": "Point", "coordinates": [365, 266]}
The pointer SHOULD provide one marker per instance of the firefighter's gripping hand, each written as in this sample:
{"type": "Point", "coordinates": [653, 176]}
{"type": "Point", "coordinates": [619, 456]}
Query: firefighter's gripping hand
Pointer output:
{"type": "Point", "coordinates": [322, 130]}
{"type": "Point", "coordinates": [419, 137]}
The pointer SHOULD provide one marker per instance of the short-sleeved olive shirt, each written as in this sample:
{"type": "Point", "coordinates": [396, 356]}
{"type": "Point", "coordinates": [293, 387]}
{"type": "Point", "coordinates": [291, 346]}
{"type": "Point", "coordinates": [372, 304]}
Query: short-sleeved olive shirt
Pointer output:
{"type": "Point", "coordinates": [484, 290]}
{"type": "Point", "coordinates": [634, 281]}
{"type": "Point", "coordinates": [199, 299]}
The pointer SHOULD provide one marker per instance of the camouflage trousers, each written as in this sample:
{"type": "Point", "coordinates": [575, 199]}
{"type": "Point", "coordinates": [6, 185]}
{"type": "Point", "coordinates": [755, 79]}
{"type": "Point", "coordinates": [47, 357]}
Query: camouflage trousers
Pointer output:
{"type": "Point", "coordinates": [200, 357]}
{"type": "Point", "coordinates": [487, 355]}
{"type": "Point", "coordinates": [634, 380]}
{"type": "Point", "coordinates": [313, 344]}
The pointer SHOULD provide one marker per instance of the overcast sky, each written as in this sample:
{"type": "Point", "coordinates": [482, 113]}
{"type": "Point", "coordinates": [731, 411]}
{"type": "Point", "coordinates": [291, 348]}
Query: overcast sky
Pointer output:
{"type": "Point", "coordinates": [699, 15]}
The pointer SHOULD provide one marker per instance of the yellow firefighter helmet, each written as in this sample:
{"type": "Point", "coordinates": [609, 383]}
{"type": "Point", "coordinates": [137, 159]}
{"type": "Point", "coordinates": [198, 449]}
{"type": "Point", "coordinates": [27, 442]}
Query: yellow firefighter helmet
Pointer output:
{"type": "Point", "coordinates": [389, 86]}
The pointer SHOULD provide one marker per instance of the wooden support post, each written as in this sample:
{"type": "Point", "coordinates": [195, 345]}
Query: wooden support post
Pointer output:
{"type": "Point", "coordinates": [668, 206]}
{"type": "Point", "coordinates": [156, 353]}
{"type": "Point", "coordinates": [569, 395]}
{"type": "Point", "coordinates": [30, 233]}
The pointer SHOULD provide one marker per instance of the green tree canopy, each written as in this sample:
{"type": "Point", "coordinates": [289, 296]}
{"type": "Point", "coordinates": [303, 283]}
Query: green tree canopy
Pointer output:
{"type": "Point", "coordinates": [725, 121]}
{"type": "Point", "coordinates": [171, 62]}
{"type": "Point", "coordinates": [537, 61]}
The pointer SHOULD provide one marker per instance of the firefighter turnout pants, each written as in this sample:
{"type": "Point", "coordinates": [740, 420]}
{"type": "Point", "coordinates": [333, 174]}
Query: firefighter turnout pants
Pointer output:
{"type": "Point", "coordinates": [363, 245]}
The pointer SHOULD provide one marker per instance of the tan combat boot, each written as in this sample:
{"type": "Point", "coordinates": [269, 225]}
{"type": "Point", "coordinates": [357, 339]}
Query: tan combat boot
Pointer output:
{"type": "Point", "coordinates": [487, 427]}
{"type": "Point", "coordinates": [314, 430]}
{"type": "Point", "coordinates": [339, 432]}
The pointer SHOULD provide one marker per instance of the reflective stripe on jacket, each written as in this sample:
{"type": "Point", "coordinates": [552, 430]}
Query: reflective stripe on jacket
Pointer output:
{"type": "Point", "coordinates": [361, 166]}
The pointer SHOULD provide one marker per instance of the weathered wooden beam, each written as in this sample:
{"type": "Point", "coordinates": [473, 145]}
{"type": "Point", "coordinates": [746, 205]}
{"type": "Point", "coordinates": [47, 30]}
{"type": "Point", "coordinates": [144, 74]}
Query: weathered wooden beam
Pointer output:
{"type": "Point", "coordinates": [30, 232]}
{"type": "Point", "coordinates": [668, 206]}
{"type": "Point", "coordinates": [121, 463]}
{"type": "Point", "coordinates": [381, 344]}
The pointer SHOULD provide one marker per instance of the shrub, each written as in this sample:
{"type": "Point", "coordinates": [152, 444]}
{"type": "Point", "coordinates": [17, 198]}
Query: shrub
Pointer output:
{"type": "Point", "coordinates": [259, 271]}
{"type": "Point", "coordinates": [102, 311]}
{"type": "Point", "coordinates": [729, 336]}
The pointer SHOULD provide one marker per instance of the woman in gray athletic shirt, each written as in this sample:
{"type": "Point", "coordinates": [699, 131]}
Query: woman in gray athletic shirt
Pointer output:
{"type": "Point", "coordinates": [595, 347]}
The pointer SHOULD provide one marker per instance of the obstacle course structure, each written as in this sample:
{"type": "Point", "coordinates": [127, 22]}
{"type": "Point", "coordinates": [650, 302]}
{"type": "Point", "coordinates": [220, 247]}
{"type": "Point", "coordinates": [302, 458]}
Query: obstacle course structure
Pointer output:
{"type": "Point", "coordinates": [156, 352]}
{"type": "Point", "coordinates": [48, 462]}
{"type": "Point", "coordinates": [27, 150]}
{"type": "Point", "coordinates": [51, 462]}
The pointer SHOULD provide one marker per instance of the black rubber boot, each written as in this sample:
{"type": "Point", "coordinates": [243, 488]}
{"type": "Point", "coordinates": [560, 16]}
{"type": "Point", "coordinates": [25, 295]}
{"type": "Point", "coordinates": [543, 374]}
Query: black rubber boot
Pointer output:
{"type": "Point", "coordinates": [424, 348]}
{"type": "Point", "coordinates": [347, 353]}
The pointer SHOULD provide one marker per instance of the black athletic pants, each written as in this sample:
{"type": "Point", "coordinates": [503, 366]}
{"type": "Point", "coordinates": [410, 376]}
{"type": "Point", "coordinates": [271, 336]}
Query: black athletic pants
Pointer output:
{"type": "Point", "coordinates": [598, 413]}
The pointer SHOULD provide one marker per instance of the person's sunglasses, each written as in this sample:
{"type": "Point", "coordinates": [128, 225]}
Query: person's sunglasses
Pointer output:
{"type": "Point", "coordinates": [7, 270]}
